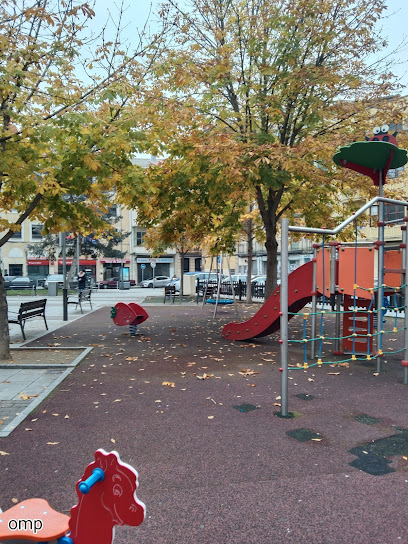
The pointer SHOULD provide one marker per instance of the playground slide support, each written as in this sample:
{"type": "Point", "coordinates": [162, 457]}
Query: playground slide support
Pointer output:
{"type": "Point", "coordinates": [380, 295]}
{"type": "Point", "coordinates": [284, 315]}
{"type": "Point", "coordinates": [404, 280]}
{"type": "Point", "coordinates": [314, 301]}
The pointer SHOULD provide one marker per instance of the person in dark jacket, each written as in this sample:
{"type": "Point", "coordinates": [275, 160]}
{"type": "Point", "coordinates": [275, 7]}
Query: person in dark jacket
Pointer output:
{"type": "Point", "coordinates": [81, 280]}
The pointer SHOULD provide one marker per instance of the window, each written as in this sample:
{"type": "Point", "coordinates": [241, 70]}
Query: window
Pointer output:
{"type": "Point", "coordinates": [393, 212]}
{"type": "Point", "coordinates": [18, 235]}
{"type": "Point", "coordinates": [139, 235]}
{"type": "Point", "coordinates": [197, 264]}
{"type": "Point", "coordinates": [36, 232]}
{"type": "Point", "coordinates": [186, 265]}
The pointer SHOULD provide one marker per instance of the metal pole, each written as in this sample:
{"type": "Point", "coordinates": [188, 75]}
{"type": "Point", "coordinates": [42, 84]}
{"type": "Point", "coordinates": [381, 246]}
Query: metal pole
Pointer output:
{"type": "Point", "coordinates": [380, 295]}
{"type": "Point", "coordinates": [404, 279]}
{"type": "Point", "coordinates": [77, 254]}
{"type": "Point", "coordinates": [232, 286]}
{"type": "Point", "coordinates": [314, 302]}
{"type": "Point", "coordinates": [334, 299]}
{"type": "Point", "coordinates": [64, 272]}
{"type": "Point", "coordinates": [284, 315]}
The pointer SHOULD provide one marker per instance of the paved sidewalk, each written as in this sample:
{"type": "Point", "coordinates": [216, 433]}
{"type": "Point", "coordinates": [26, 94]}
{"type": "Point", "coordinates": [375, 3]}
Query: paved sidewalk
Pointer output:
{"type": "Point", "coordinates": [35, 328]}
{"type": "Point", "coordinates": [23, 388]}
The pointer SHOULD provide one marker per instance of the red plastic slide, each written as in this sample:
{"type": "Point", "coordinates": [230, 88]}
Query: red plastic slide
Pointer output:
{"type": "Point", "coordinates": [267, 320]}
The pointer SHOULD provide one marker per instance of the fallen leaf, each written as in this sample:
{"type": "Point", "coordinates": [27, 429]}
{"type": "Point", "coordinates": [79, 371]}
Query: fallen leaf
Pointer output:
{"type": "Point", "coordinates": [52, 443]}
{"type": "Point", "coordinates": [210, 417]}
{"type": "Point", "coordinates": [317, 439]}
{"type": "Point", "coordinates": [376, 373]}
{"type": "Point", "coordinates": [113, 441]}
{"type": "Point", "coordinates": [23, 396]}
{"type": "Point", "coordinates": [14, 500]}
{"type": "Point", "coordinates": [169, 384]}
{"type": "Point", "coordinates": [276, 404]}
{"type": "Point", "coordinates": [204, 376]}
{"type": "Point", "coordinates": [333, 373]}
{"type": "Point", "coordinates": [4, 453]}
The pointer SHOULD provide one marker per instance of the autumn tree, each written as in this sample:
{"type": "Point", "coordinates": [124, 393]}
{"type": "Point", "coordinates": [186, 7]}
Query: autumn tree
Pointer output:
{"type": "Point", "coordinates": [266, 90]}
{"type": "Point", "coordinates": [61, 137]}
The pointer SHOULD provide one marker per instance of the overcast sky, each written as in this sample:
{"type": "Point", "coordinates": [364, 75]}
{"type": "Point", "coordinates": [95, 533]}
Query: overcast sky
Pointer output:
{"type": "Point", "coordinates": [394, 26]}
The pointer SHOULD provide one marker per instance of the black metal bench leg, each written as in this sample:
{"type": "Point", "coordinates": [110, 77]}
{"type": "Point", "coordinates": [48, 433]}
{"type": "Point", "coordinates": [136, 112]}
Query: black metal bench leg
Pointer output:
{"type": "Point", "coordinates": [22, 329]}
{"type": "Point", "coordinates": [45, 321]}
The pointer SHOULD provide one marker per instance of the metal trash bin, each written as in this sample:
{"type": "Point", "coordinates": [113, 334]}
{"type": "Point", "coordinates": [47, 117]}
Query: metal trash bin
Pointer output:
{"type": "Point", "coordinates": [52, 288]}
{"type": "Point", "coordinates": [124, 285]}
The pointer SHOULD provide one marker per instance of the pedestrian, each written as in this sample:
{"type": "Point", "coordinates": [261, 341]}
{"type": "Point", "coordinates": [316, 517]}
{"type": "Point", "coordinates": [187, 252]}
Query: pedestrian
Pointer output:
{"type": "Point", "coordinates": [81, 280]}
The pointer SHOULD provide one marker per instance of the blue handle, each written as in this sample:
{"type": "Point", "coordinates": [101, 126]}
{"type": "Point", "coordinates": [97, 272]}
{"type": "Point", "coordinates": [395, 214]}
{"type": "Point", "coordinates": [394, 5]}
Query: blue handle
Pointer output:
{"type": "Point", "coordinates": [97, 475]}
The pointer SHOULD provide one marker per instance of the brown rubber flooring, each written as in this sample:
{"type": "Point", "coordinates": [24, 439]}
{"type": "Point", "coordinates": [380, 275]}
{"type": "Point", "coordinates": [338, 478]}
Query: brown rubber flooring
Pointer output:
{"type": "Point", "coordinates": [216, 465]}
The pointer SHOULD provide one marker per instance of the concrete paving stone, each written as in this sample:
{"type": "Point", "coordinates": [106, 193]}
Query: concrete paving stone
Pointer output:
{"type": "Point", "coordinates": [7, 373]}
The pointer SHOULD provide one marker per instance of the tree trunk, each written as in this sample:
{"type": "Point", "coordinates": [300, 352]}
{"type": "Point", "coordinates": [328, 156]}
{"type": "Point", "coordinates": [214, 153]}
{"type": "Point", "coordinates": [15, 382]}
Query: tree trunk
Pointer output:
{"type": "Point", "coordinates": [182, 253]}
{"type": "Point", "coordinates": [4, 327]}
{"type": "Point", "coordinates": [249, 271]}
{"type": "Point", "coordinates": [271, 246]}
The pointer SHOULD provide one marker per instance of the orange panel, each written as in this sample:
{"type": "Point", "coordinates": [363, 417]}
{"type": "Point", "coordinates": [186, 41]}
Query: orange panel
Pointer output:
{"type": "Point", "coordinates": [320, 284]}
{"type": "Point", "coordinates": [365, 270]}
{"type": "Point", "coordinates": [393, 259]}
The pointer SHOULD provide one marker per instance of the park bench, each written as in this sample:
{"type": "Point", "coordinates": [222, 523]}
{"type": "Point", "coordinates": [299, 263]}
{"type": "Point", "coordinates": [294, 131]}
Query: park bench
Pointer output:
{"type": "Point", "coordinates": [82, 296]}
{"type": "Point", "coordinates": [28, 310]}
{"type": "Point", "coordinates": [170, 293]}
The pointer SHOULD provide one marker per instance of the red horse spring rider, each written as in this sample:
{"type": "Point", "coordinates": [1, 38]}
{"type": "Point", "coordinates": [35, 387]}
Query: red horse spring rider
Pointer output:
{"type": "Point", "coordinates": [106, 497]}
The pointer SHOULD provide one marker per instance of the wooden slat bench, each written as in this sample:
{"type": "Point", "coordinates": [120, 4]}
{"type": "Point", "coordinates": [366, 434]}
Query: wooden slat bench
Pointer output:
{"type": "Point", "coordinates": [27, 310]}
{"type": "Point", "coordinates": [82, 296]}
{"type": "Point", "coordinates": [171, 293]}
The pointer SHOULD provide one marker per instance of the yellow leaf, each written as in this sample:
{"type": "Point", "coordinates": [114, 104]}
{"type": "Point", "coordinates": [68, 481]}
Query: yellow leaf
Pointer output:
{"type": "Point", "coordinates": [113, 441]}
{"type": "Point", "coordinates": [4, 453]}
{"type": "Point", "coordinates": [169, 384]}
{"type": "Point", "coordinates": [52, 443]}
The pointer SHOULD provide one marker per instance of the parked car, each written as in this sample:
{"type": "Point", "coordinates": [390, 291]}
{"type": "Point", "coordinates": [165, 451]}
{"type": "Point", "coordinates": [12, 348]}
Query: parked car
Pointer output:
{"type": "Point", "coordinates": [18, 282]}
{"type": "Point", "coordinates": [157, 281]}
{"type": "Point", "coordinates": [259, 280]}
{"type": "Point", "coordinates": [112, 283]}
{"type": "Point", "coordinates": [200, 278]}
{"type": "Point", "coordinates": [59, 278]}
{"type": "Point", "coordinates": [236, 277]}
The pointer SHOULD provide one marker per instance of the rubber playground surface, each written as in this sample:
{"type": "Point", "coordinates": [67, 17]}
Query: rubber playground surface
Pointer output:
{"type": "Point", "coordinates": [195, 414]}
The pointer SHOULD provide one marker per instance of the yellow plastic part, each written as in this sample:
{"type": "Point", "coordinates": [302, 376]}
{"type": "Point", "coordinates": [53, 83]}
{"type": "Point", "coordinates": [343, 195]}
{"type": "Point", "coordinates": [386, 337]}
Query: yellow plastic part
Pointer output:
{"type": "Point", "coordinates": [305, 366]}
{"type": "Point", "coordinates": [368, 357]}
{"type": "Point", "coordinates": [353, 358]}
{"type": "Point", "coordinates": [319, 362]}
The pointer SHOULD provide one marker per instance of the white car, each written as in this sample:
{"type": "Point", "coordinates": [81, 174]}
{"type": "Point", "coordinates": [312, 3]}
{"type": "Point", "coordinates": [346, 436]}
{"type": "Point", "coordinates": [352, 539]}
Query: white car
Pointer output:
{"type": "Point", "coordinates": [59, 278]}
{"type": "Point", "coordinates": [157, 281]}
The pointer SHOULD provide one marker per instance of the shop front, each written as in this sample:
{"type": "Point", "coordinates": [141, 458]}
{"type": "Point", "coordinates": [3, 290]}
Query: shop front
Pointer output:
{"type": "Point", "coordinates": [115, 268]}
{"type": "Point", "coordinates": [38, 269]}
{"type": "Point", "coordinates": [89, 265]}
{"type": "Point", "coordinates": [148, 267]}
